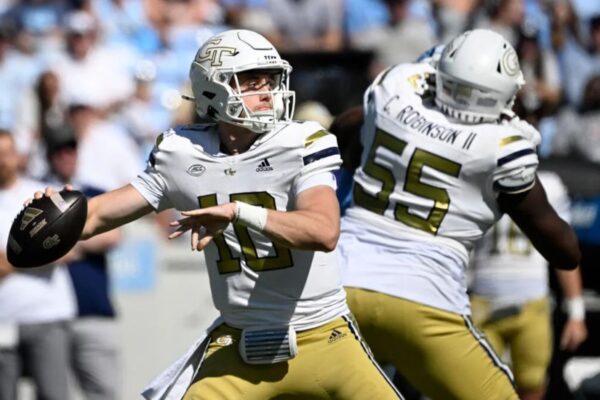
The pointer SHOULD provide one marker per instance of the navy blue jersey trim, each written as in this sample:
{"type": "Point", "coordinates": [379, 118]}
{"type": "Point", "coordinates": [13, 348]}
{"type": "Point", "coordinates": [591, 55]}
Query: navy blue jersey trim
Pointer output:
{"type": "Point", "coordinates": [514, 156]}
{"type": "Point", "coordinates": [330, 151]}
{"type": "Point", "coordinates": [502, 188]}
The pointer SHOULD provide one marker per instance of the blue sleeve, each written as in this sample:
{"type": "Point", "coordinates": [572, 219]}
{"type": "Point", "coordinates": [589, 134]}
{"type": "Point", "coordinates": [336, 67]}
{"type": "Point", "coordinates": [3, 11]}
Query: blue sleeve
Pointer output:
{"type": "Point", "coordinates": [344, 188]}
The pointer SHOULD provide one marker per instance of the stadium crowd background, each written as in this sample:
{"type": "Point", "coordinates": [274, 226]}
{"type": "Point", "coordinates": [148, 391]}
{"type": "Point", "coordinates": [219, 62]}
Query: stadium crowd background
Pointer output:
{"type": "Point", "coordinates": [110, 74]}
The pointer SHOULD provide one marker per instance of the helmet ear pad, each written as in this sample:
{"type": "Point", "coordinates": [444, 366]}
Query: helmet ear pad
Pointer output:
{"type": "Point", "coordinates": [478, 76]}
{"type": "Point", "coordinates": [213, 75]}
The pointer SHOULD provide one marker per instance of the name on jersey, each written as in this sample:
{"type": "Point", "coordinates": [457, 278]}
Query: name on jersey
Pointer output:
{"type": "Point", "coordinates": [413, 119]}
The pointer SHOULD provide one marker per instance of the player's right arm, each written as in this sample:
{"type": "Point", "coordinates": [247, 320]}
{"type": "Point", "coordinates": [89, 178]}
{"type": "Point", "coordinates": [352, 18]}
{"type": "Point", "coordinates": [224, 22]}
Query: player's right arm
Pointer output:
{"type": "Point", "coordinates": [113, 209]}
{"type": "Point", "coordinates": [550, 235]}
{"type": "Point", "coordinates": [109, 210]}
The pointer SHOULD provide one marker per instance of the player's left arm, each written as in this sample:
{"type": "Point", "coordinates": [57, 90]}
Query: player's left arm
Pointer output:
{"type": "Point", "coordinates": [313, 225]}
{"type": "Point", "coordinates": [574, 332]}
{"type": "Point", "coordinates": [551, 236]}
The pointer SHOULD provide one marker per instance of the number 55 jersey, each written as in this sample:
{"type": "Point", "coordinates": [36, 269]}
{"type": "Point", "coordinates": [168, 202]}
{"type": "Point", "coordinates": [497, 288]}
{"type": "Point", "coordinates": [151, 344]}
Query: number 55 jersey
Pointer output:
{"type": "Point", "coordinates": [426, 191]}
{"type": "Point", "coordinates": [254, 281]}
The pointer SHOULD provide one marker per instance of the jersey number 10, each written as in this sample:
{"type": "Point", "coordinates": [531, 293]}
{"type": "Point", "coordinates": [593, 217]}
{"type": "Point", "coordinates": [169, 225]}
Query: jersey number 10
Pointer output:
{"type": "Point", "coordinates": [228, 263]}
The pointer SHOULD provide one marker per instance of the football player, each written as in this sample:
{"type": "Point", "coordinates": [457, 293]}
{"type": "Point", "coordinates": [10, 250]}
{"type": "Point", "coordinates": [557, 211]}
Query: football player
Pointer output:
{"type": "Point", "coordinates": [443, 158]}
{"type": "Point", "coordinates": [257, 192]}
{"type": "Point", "coordinates": [509, 297]}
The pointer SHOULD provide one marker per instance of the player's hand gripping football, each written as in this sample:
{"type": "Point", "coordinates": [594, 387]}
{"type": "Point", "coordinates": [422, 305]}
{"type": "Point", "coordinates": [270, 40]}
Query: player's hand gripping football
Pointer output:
{"type": "Point", "coordinates": [205, 224]}
{"type": "Point", "coordinates": [47, 192]}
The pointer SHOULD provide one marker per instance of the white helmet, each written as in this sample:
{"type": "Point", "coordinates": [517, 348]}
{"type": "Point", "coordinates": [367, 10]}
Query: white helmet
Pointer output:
{"type": "Point", "coordinates": [478, 76]}
{"type": "Point", "coordinates": [216, 87]}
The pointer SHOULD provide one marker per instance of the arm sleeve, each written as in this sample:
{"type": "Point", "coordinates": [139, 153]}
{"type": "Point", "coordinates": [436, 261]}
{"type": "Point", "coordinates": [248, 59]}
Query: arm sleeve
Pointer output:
{"type": "Point", "coordinates": [516, 164]}
{"type": "Point", "coordinates": [320, 154]}
{"type": "Point", "coordinates": [320, 179]}
{"type": "Point", "coordinates": [152, 183]}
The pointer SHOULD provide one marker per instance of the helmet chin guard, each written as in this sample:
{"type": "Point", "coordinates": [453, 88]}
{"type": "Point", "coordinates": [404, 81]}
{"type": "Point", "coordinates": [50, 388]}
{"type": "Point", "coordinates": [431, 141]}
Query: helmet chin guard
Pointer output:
{"type": "Point", "coordinates": [478, 76]}
{"type": "Point", "coordinates": [215, 84]}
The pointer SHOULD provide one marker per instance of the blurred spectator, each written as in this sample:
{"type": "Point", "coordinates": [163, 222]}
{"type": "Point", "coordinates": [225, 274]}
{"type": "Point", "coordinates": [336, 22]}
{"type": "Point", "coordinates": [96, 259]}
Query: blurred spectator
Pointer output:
{"type": "Point", "coordinates": [415, 35]}
{"type": "Point", "coordinates": [35, 303]}
{"type": "Point", "coordinates": [18, 72]}
{"type": "Point", "coordinates": [306, 25]}
{"type": "Point", "coordinates": [185, 12]}
{"type": "Point", "coordinates": [144, 115]}
{"type": "Point", "coordinates": [565, 24]}
{"type": "Point", "coordinates": [125, 22]}
{"type": "Point", "coordinates": [585, 8]}
{"type": "Point", "coordinates": [179, 39]}
{"type": "Point", "coordinates": [540, 96]}
{"type": "Point", "coordinates": [580, 63]}
{"type": "Point", "coordinates": [41, 113]}
{"type": "Point", "coordinates": [365, 22]}
{"type": "Point", "coordinates": [454, 17]}
{"type": "Point", "coordinates": [578, 132]}
{"type": "Point", "coordinates": [93, 334]}
{"type": "Point", "coordinates": [40, 21]}
{"type": "Point", "coordinates": [89, 73]}
{"type": "Point", "coordinates": [184, 25]}
{"type": "Point", "coordinates": [504, 17]}
{"type": "Point", "coordinates": [247, 14]}
{"type": "Point", "coordinates": [108, 157]}
{"type": "Point", "coordinates": [51, 110]}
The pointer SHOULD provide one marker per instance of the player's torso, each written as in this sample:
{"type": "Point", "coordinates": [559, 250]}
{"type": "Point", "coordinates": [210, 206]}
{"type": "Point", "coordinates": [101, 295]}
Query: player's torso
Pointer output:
{"type": "Point", "coordinates": [425, 192]}
{"type": "Point", "coordinates": [201, 175]}
{"type": "Point", "coordinates": [254, 280]}
{"type": "Point", "coordinates": [429, 175]}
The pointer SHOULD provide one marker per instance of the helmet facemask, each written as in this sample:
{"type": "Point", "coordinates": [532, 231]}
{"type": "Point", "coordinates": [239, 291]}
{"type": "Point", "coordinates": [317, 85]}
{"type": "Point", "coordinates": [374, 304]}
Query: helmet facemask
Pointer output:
{"type": "Point", "coordinates": [282, 100]}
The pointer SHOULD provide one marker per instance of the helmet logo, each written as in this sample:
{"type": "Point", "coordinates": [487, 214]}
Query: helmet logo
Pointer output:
{"type": "Point", "coordinates": [510, 62]}
{"type": "Point", "coordinates": [214, 55]}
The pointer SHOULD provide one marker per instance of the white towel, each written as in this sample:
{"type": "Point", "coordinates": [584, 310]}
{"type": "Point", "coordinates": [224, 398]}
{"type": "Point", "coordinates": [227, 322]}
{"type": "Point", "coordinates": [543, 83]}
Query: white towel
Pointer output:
{"type": "Point", "coordinates": [172, 383]}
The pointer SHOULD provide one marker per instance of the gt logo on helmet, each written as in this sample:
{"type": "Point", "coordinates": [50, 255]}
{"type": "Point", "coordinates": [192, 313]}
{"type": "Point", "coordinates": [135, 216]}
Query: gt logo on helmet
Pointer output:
{"type": "Point", "coordinates": [214, 55]}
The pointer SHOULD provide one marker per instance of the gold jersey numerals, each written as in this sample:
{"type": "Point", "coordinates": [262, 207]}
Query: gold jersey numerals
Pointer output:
{"type": "Point", "coordinates": [380, 202]}
{"type": "Point", "coordinates": [229, 263]}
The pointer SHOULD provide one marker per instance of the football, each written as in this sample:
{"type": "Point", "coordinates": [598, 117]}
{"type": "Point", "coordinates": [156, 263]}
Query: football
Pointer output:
{"type": "Point", "coordinates": [46, 229]}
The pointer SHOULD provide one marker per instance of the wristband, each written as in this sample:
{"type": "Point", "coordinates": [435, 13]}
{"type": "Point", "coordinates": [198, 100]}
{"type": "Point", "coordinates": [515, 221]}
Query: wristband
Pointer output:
{"type": "Point", "coordinates": [575, 308]}
{"type": "Point", "coordinates": [251, 216]}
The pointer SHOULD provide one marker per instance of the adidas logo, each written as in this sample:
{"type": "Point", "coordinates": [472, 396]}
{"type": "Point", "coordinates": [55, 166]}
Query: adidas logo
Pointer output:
{"type": "Point", "coordinates": [264, 166]}
{"type": "Point", "coordinates": [335, 335]}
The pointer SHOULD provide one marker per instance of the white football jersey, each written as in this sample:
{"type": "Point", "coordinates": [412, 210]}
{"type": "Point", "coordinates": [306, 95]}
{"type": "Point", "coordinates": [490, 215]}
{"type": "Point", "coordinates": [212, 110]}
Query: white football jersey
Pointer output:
{"type": "Point", "coordinates": [254, 281]}
{"type": "Point", "coordinates": [425, 191]}
{"type": "Point", "coordinates": [506, 268]}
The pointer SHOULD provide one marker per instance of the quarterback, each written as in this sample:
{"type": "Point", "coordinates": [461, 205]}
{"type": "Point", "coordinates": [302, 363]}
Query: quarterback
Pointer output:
{"type": "Point", "coordinates": [257, 193]}
{"type": "Point", "coordinates": [443, 158]}
{"type": "Point", "coordinates": [509, 297]}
